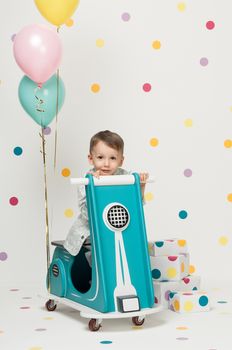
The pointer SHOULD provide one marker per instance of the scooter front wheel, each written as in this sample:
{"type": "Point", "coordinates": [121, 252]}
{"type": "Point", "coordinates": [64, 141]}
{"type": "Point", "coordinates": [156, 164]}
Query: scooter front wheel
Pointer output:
{"type": "Point", "coordinates": [50, 305]}
{"type": "Point", "coordinates": [138, 321]}
{"type": "Point", "coordinates": [94, 325]}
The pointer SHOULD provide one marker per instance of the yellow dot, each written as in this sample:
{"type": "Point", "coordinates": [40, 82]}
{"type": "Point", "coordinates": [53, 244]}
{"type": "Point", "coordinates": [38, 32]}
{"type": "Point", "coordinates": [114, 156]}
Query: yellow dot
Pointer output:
{"type": "Point", "coordinates": [68, 213]}
{"type": "Point", "coordinates": [95, 87]}
{"type": "Point", "coordinates": [176, 305]}
{"type": "Point", "coordinates": [181, 328]}
{"type": "Point", "coordinates": [69, 22]}
{"type": "Point", "coordinates": [181, 242]}
{"type": "Point", "coordinates": [228, 143]}
{"type": "Point", "coordinates": [188, 306]}
{"type": "Point", "coordinates": [171, 272]}
{"type": "Point", "coordinates": [188, 123]}
{"type": "Point", "coordinates": [192, 269]}
{"type": "Point", "coordinates": [182, 267]}
{"type": "Point", "coordinates": [48, 318]}
{"type": "Point", "coordinates": [231, 108]}
{"type": "Point", "coordinates": [100, 42]}
{"type": "Point", "coordinates": [154, 142]}
{"type": "Point", "coordinates": [229, 197]}
{"type": "Point", "coordinates": [223, 240]}
{"type": "Point", "coordinates": [148, 196]}
{"type": "Point", "coordinates": [181, 6]}
{"type": "Point", "coordinates": [156, 44]}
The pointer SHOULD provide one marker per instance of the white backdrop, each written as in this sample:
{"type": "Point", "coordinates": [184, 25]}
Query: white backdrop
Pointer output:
{"type": "Point", "coordinates": [179, 131]}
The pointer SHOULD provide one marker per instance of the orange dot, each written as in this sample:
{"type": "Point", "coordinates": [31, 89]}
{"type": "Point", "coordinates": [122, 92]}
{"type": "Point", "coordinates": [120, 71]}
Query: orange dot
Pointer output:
{"type": "Point", "coordinates": [228, 143]}
{"type": "Point", "coordinates": [154, 142]}
{"type": "Point", "coordinates": [181, 242]}
{"type": "Point", "coordinates": [182, 328]}
{"type": "Point", "coordinates": [95, 88]}
{"type": "Point", "coordinates": [229, 197]}
{"type": "Point", "coordinates": [66, 172]}
{"type": "Point", "coordinates": [182, 267]}
{"type": "Point", "coordinates": [191, 269]}
{"type": "Point", "coordinates": [176, 305]}
{"type": "Point", "coordinates": [156, 44]}
{"type": "Point", "coordinates": [69, 22]}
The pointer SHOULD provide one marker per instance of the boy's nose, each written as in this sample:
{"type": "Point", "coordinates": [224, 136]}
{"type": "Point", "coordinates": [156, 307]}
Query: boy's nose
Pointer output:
{"type": "Point", "coordinates": [106, 162]}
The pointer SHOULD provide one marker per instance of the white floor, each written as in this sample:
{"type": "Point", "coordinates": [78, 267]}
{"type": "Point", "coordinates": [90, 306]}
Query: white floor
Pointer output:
{"type": "Point", "coordinates": [25, 324]}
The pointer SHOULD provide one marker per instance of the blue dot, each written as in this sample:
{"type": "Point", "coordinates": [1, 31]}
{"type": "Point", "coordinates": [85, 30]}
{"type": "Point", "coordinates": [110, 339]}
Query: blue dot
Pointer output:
{"type": "Point", "coordinates": [159, 244]}
{"type": "Point", "coordinates": [183, 214]}
{"type": "Point", "coordinates": [203, 300]}
{"type": "Point", "coordinates": [18, 151]}
{"type": "Point", "coordinates": [106, 342]}
{"type": "Point", "coordinates": [156, 273]}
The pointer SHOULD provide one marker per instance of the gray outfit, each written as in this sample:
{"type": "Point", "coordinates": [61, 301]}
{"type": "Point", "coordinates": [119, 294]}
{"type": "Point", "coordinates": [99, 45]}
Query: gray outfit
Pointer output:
{"type": "Point", "coordinates": [79, 232]}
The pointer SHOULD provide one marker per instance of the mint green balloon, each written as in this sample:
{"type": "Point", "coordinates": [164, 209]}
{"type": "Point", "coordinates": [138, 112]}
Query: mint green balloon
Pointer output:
{"type": "Point", "coordinates": [41, 103]}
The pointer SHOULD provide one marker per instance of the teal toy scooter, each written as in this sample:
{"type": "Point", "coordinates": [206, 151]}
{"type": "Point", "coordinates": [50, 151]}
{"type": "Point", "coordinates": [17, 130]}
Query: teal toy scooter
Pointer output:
{"type": "Point", "coordinates": [119, 282]}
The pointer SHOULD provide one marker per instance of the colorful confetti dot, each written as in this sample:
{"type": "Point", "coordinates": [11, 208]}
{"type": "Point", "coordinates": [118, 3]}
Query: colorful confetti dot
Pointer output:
{"type": "Point", "coordinates": [188, 172]}
{"type": "Point", "coordinates": [65, 172]}
{"type": "Point", "coordinates": [18, 151]}
{"type": "Point", "coordinates": [210, 25]}
{"type": "Point", "coordinates": [154, 142]}
{"type": "Point", "coordinates": [100, 42]}
{"type": "Point", "coordinates": [40, 329]}
{"type": "Point", "coordinates": [229, 197]}
{"type": "Point", "coordinates": [223, 240]}
{"type": "Point", "coordinates": [146, 87]}
{"type": "Point", "coordinates": [228, 143]}
{"type": "Point", "coordinates": [24, 307]}
{"type": "Point", "coordinates": [95, 87]}
{"type": "Point", "coordinates": [188, 123]}
{"type": "Point", "coordinates": [106, 342]}
{"type": "Point", "coordinates": [183, 214]}
{"type": "Point", "coordinates": [13, 37]}
{"type": "Point", "coordinates": [156, 44]}
{"type": "Point", "coordinates": [47, 130]}
{"type": "Point", "coordinates": [125, 16]}
{"type": "Point", "coordinates": [192, 269]}
{"type": "Point", "coordinates": [148, 196]}
{"type": "Point", "coordinates": [181, 6]}
{"type": "Point", "coordinates": [222, 302]}
{"type": "Point", "coordinates": [13, 201]}
{"type": "Point", "coordinates": [204, 61]}
{"type": "Point", "coordinates": [14, 290]}
{"type": "Point", "coordinates": [69, 22]}
{"type": "Point", "coordinates": [3, 256]}
{"type": "Point", "coordinates": [181, 328]}
{"type": "Point", "coordinates": [68, 213]}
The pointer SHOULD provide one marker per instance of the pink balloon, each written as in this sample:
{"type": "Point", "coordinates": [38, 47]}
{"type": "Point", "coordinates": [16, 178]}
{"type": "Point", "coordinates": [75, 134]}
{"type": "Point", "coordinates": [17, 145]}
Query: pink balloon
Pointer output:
{"type": "Point", "coordinates": [37, 51]}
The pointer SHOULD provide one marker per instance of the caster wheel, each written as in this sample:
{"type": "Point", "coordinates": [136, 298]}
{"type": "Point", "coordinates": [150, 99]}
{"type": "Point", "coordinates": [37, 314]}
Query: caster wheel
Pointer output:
{"type": "Point", "coordinates": [94, 326]}
{"type": "Point", "coordinates": [50, 305]}
{"type": "Point", "coordinates": [138, 321]}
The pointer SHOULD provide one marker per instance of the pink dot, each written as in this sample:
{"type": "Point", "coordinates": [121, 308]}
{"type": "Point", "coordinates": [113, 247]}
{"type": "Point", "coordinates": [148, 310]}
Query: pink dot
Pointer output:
{"type": "Point", "coordinates": [3, 256]}
{"type": "Point", "coordinates": [188, 172]}
{"type": "Point", "coordinates": [125, 16]}
{"type": "Point", "coordinates": [210, 25]}
{"type": "Point", "coordinates": [204, 61]}
{"type": "Point", "coordinates": [147, 87]}
{"type": "Point", "coordinates": [13, 200]}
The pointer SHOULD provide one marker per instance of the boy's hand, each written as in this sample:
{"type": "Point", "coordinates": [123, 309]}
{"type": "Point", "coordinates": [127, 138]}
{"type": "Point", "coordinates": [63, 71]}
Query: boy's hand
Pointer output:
{"type": "Point", "coordinates": [95, 173]}
{"type": "Point", "coordinates": [143, 178]}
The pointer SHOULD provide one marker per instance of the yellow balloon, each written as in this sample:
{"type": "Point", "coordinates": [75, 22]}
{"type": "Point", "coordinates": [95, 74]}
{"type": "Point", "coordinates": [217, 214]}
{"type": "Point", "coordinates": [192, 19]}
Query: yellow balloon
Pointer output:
{"type": "Point", "coordinates": [57, 11]}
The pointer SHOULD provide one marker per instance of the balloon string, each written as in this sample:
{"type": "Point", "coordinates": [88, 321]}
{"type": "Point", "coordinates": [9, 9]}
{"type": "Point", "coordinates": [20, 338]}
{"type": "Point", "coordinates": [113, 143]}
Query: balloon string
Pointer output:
{"type": "Point", "coordinates": [57, 107]}
{"type": "Point", "coordinates": [46, 207]}
{"type": "Point", "coordinates": [40, 103]}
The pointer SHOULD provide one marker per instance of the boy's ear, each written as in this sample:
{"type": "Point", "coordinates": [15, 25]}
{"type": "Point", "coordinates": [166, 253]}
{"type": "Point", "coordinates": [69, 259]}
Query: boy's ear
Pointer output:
{"type": "Point", "coordinates": [122, 160]}
{"type": "Point", "coordinates": [90, 158]}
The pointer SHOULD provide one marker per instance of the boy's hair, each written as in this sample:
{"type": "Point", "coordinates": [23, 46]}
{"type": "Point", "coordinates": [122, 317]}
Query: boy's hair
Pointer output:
{"type": "Point", "coordinates": [112, 140]}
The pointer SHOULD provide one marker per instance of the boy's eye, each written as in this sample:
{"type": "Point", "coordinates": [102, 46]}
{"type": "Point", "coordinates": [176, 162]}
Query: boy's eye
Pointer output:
{"type": "Point", "coordinates": [99, 157]}
{"type": "Point", "coordinates": [113, 158]}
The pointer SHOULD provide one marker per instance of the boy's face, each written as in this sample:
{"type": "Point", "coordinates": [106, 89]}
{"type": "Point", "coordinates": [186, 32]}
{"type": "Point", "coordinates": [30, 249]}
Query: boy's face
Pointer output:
{"type": "Point", "coordinates": [105, 159]}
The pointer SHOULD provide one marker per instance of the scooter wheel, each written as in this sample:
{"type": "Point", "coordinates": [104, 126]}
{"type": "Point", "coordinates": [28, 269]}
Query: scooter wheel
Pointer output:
{"type": "Point", "coordinates": [50, 305]}
{"type": "Point", "coordinates": [94, 326]}
{"type": "Point", "coordinates": [138, 321]}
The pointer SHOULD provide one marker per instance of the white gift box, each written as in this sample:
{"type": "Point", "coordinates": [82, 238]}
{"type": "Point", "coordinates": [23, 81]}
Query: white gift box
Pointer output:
{"type": "Point", "coordinates": [173, 246]}
{"type": "Point", "coordinates": [162, 289]}
{"type": "Point", "coordinates": [186, 302]}
{"type": "Point", "coordinates": [169, 268]}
